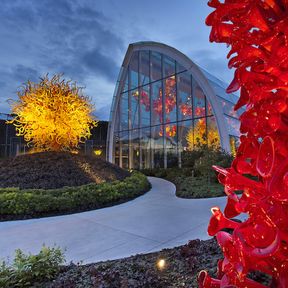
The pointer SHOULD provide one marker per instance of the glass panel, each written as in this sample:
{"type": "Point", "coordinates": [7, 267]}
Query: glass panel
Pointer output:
{"type": "Point", "coordinates": [185, 136]}
{"type": "Point", "coordinates": [213, 135]}
{"type": "Point", "coordinates": [169, 66]}
{"type": "Point", "coordinates": [156, 66]}
{"type": "Point", "coordinates": [145, 105]}
{"type": "Point", "coordinates": [135, 149]}
{"type": "Point", "coordinates": [144, 68]}
{"type": "Point", "coordinates": [157, 147]}
{"type": "Point", "coordinates": [171, 145]}
{"type": "Point", "coordinates": [116, 145]}
{"type": "Point", "coordinates": [209, 108]}
{"type": "Point", "coordinates": [124, 150]}
{"type": "Point", "coordinates": [170, 99]}
{"type": "Point", "coordinates": [198, 102]}
{"type": "Point", "coordinates": [156, 113]}
{"type": "Point", "coordinates": [117, 120]}
{"type": "Point", "coordinates": [134, 109]}
{"type": "Point", "coordinates": [126, 87]}
{"type": "Point", "coordinates": [233, 126]}
{"type": "Point", "coordinates": [145, 142]}
{"type": "Point", "coordinates": [184, 96]}
{"type": "Point", "coordinates": [124, 111]}
{"type": "Point", "coordinates": [228, 108]}
{"type": "Point", "coordinates": [200, 133]}
{"type": "Point", "coordinates": [133, 70]}
{"type": "Point", "coordinates": [234, 144]}
{"type": "Point", "coordinates": [179, 68]}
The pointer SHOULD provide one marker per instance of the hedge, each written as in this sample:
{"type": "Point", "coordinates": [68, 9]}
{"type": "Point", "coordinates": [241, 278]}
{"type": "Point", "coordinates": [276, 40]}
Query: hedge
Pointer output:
{"type": "Point", "coordinates": [30, 203]}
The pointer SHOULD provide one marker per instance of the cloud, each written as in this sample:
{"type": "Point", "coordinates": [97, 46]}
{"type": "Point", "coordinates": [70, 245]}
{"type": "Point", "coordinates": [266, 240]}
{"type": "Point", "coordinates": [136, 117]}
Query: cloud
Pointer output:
{"type": "Point", "coordinates": [100, 64]}
{"type": "Point", "coordinates": [22, 74]}
{"type": "Point", "coordinates": [56, 36]}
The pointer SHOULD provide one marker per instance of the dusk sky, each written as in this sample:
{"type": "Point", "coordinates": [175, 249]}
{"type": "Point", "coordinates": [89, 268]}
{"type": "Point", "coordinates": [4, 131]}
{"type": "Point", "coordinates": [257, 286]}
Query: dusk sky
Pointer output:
{"type": "Point", "coordinates": [87, 40]}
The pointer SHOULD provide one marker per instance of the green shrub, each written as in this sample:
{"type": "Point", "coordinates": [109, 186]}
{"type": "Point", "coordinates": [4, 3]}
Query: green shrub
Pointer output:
{"type": "Point", "coordinates": [198, 187]}
{"type": "Point", "coordinates": [27, 203]}
{"type": "Point", "coordinates": [31, 270]}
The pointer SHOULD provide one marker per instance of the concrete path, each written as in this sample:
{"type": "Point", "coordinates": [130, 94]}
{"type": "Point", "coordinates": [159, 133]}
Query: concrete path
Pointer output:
{"type": "Point", "coordinates": [149, 223]}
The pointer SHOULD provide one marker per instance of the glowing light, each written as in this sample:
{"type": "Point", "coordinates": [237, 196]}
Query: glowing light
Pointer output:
{"type": "Point", "coordinates": [161, 264]}
{"type": "Point", "coordinates": [52, 114]}
{"type": "Point", "coordinates": [197, 137]}
{"type": "Point", "coordinates": [98, 152]}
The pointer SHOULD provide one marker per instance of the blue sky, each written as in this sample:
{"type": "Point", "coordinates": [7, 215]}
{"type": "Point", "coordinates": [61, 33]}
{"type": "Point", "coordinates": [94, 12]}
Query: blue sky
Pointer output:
{"type": "Point", "coordinates": [87, 40]}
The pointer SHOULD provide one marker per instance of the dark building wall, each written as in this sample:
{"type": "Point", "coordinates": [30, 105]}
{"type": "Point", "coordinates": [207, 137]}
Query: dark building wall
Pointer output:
{"type": "Point", "coordinates": [11, 145]}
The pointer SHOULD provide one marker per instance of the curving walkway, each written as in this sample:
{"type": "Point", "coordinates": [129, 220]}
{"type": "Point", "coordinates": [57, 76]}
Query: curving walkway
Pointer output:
{"type": "Point", "coordinates": [149, 223]}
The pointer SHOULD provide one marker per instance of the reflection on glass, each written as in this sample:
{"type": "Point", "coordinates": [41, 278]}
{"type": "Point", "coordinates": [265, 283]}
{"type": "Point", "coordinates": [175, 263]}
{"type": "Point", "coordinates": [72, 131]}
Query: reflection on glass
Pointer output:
{"type": "Point", "coordinates": [169, 66]}
{"type": "Point", "coordinates": [184, 96]}
{"type": "Point", "coordinates": [133, 70]}
{"type": "Point", "coordinates": [145, 143]}
{"type": "Point", "coordinates": [213, 135]}
{"type": "Point", "coordinates": [157, 146]}
{"type": "Point", "coordinates": [234, 144]}
{"type": "Point", "coordinates": [141, 131]}
{"type": "Point", "coordinates": [209, 108]}
{"type": "Point", "coordinates": [134, 114]}
{"type": "Point", "coordinates": [233, 126]}
{"type": "Point", "coordinates": [185, 136]}
{"type": "Point", "coordinates": [135, 149]}
{"type": "Point", "coordinates": [124, 149]}
{"type": "Point", "coordinates": [144, 68]}
{"type": "Point", "coordinates": [171, 145]}
{"type": "Point", "coordinates": [116, 141]}
{"type": "Point", "coordinates": [156, 66]}
{"type": "Point", "coordinates": [157, 113]}
{"type": "Point", "coordinates": [170, 99]}
{"type": "Point", "coordinates": [199, 102]}
{"type": "Point", "coordinates": [145, 105]}
{"type": "Point", "coordinates": [200, 133]}
{"type": "Point", "coordinates": [124, 111]}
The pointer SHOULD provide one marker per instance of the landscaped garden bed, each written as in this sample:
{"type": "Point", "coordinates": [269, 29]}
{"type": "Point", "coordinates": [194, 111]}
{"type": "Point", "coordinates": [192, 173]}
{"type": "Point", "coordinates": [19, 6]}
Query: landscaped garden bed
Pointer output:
{"type": "Point", "coordinates": [101, 184]}
{"type": "Point", "coordinates": [177, 267]}
{"type": "Point", "coordinates": [196, 178]}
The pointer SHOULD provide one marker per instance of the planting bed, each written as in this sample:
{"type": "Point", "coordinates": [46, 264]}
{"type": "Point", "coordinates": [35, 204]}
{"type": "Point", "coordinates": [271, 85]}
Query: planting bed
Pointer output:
{"type": "Point", "coordinates": [51, 170]}
{"type": "Point", "coordinates": [182, 267]}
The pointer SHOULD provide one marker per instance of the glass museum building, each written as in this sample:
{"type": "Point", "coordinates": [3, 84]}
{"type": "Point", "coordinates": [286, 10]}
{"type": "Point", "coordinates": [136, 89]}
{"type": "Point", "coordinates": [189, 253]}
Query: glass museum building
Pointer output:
{"type": "Point", "coordinates": [163, 105]}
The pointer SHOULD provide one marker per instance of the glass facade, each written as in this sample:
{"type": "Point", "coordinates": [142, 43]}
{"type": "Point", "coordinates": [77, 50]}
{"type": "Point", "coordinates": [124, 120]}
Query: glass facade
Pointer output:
{"type": "Point", "coordinates": [162, 111]}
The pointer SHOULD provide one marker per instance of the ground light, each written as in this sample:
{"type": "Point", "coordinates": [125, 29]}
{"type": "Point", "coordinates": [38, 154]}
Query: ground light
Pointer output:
{"type": "Point", "coordinates": [161, 264]}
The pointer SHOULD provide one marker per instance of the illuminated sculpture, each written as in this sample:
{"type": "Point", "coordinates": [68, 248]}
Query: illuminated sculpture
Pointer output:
{"type": "Point", "coordinates": [52, 114]}
{"type": "Point", "coordinates": [196, 137]}
{"type": "Point", "coordinates": [170, 104]}
{"type": "Point", "coordinates": [257, 31]}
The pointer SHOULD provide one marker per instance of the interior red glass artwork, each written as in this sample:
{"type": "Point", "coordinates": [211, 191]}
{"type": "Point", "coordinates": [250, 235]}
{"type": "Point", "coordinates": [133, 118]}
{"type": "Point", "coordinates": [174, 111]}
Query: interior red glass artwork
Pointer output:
{"type": "Point", "coordinates": [257, 33]}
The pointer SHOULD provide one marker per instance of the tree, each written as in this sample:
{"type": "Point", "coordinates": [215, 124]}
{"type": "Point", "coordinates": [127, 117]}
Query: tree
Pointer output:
{"type": "Point", "coordinates": [52, 115]}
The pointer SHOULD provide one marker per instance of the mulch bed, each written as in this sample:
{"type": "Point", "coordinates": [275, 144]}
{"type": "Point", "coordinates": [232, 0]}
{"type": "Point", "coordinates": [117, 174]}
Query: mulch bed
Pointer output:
{"type": "Point", "coordinates": [182, 266]}
{"type": "Point", "coordinates": [51, 170]}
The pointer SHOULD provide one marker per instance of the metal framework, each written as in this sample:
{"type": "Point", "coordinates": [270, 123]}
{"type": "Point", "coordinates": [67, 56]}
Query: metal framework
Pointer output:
{"type": "Point", "coordinates": [201, 77]}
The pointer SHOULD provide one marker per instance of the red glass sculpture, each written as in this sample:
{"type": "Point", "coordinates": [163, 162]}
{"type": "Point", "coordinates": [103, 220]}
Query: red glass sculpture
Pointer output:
{"type": "Point", "coordinates": [257, 32]}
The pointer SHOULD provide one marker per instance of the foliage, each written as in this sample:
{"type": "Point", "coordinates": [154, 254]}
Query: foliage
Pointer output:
{"type": "Point", "coordinates": [52, 114]}
{"type": "Point", "coordinates": [196, 178]}
{"type": "Point", "coordinates": [197, 187]}
{"type": "Point", "coordinates": [29, 203]}
{"type": "Point", "coordinates": [30, 270]}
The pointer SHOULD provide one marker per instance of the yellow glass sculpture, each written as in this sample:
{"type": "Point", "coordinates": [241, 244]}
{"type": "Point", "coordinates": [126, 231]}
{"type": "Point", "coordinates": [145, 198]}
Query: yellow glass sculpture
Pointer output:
{"type": "Point", "coordinates": [53, 115]}
{"type": "Point", "coordinates": [197, 138]}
